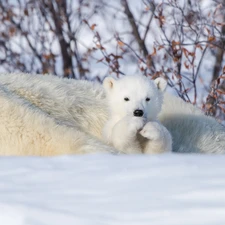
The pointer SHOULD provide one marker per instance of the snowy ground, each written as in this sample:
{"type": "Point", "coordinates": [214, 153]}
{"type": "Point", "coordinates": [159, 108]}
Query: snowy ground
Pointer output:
{"type": "Point", "coordinates": [113, 190]}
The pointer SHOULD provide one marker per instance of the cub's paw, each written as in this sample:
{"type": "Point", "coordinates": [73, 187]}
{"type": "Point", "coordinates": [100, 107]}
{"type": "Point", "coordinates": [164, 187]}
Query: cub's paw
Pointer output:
{"type": "Point", "coordinates": [152, 131]}
{"type": "Point", "coordinates": [136, 123]}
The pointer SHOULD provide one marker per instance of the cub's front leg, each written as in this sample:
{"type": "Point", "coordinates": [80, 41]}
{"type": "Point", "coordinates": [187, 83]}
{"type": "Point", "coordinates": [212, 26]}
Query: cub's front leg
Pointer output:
{"type": "Point", "coordinates": [157, 138]}
{"type": "Point", "coordinates": [124, 134]}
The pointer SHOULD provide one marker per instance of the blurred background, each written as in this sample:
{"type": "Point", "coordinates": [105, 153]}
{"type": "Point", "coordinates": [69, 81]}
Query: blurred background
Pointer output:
{"type": "Point", "coordinates": [182, 41]}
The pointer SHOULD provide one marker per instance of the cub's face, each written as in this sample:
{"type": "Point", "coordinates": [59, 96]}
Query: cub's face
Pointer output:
{"type": "Point", "coordinates": [135, 96]}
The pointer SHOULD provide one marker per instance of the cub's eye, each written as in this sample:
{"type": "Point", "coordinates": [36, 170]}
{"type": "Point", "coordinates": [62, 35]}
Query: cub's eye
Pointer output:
{"type": "Point", "coordinates": [126, 99]}
{"type": "Point", "coordinates": [147, 99]}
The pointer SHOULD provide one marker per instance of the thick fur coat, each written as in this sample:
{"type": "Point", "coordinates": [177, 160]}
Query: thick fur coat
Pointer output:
{"type": "Point", "coordinates": [134, 104]}
{"type": "Point", "coordinates": [47, 115]}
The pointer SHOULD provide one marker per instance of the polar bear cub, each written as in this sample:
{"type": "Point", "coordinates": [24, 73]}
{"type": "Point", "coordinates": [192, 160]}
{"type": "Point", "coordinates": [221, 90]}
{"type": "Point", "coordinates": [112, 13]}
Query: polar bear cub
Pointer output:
{"type": "Point", "coordinates": [134, 104]}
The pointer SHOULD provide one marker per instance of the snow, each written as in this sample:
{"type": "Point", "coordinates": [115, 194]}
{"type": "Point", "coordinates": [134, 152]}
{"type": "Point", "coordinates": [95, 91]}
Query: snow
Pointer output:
{"type": "Point", "coordinates": [113, 190]}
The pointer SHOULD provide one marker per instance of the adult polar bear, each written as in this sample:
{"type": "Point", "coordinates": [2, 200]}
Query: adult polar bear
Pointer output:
{"type": "Point", "coordinates": [41, 116]}
{"type": "Point", "coordinates": [47, 115]}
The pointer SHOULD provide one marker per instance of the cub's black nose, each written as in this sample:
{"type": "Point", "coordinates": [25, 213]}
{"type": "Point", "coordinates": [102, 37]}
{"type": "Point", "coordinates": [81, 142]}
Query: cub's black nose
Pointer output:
{"type": "Point", "coordinates": [138, 113]}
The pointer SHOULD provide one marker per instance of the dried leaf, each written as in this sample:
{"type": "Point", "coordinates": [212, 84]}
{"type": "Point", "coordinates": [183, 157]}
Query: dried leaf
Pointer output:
{"type": "Point", "coordinates": [187, 53]}
{"type": "Point", "coordinates": [208, 30]}
{"type": "Point", "coordinates": [211, 38]}
{"type": "Point", "coordinates": [187, 66]}
{"type": "Point", "coordinates": [160, 47]}
{"type": "Point", "coordinates": [100, 60]}
{"type": "Point", "coordinates": [48, 56]}
{"type": "Point", "coordinates": [191, 54]}
{"type": "Point", "coordinates": [222, 92]}
{"type": "Point", "coordinates": [199, 46]}
{"type": "Point", "coordinates": [120, 43]}
{"type": "Point", "coordinates": [154, 52]}
{"type": "Point", "coordinates": [162, 20]}
{"type": "Point", "coordinates": [175, 59]}
{"type": "Point", "coordinates": [12, 31]}
{"type": "Point", "coordinates": [93, 26]}
{"type": "Point", "coordinates": [117, 56]}
{"type": "Point", "coordinates": [174, 43]}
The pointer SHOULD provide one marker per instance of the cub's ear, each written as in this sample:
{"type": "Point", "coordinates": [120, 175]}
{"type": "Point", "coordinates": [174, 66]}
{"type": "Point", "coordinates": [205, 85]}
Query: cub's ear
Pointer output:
{"type": "Point", "coordinates": [160, 83]}
{"type": "Point", "coordinates": [109, 83]}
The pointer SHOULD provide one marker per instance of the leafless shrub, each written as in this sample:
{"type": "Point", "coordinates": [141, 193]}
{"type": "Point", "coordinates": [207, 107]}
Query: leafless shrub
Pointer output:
{"type": "Point", "coordinates": [182, 41]}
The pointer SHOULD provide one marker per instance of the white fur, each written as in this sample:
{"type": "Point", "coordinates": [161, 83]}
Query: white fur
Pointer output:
{"type": "Point", "coordinates": [46, 115]}
{"type": "Point", "coordinates": [192, 131]}
{"type": "Point", "coordinates": [127, 132]}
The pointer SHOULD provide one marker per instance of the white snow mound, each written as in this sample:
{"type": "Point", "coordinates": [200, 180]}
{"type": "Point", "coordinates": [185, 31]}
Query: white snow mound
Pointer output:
{"type": "Point", "coordinates": [168, 189]}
